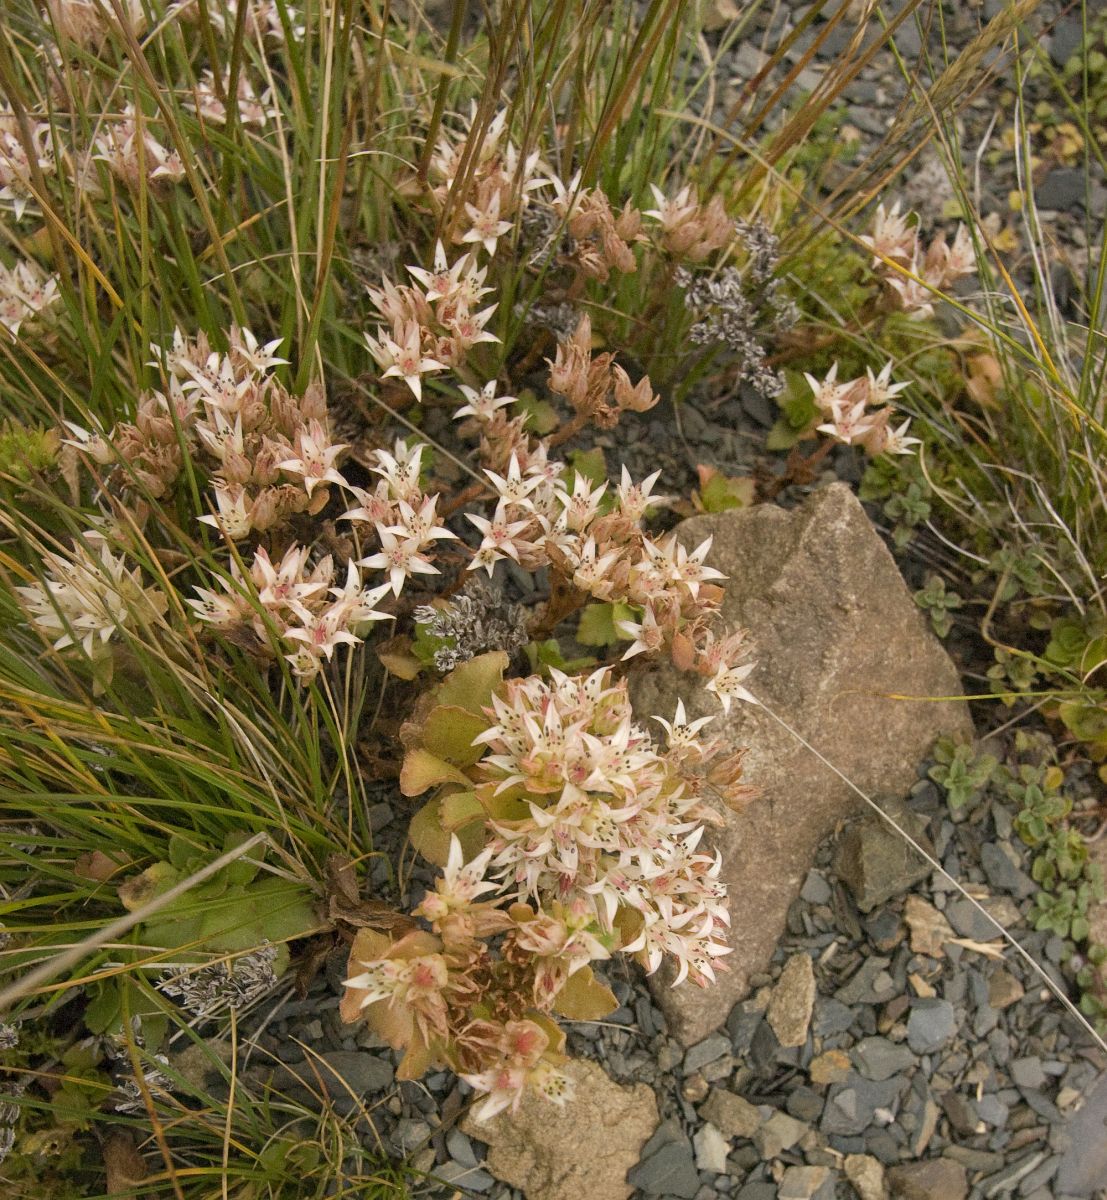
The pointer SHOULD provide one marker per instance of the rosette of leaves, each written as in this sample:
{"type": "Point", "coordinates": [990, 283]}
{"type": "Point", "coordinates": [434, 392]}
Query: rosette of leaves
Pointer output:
{"type": "Point", "coordinates": [236, 910]}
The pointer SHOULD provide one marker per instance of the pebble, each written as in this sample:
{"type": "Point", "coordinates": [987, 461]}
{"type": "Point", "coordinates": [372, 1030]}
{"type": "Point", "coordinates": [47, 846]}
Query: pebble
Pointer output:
{"type": "Point", "coordinates": [467, 1178]}
{"type": "Point", "coordinates": [878, 1059]}
{"type": "Point", "coordinates": [815, 889]}
{"type": "Point", "coordinates": [711, 1149]}
{"type": "Point", "coordinates": [931, 1024]}
{"type": "Point", "coordinates": [805, 1183]}
{"type": "Point", "coordinates": [1027, 1072]}
{"type": "Point", "coordinates": [934, 1179]}
{"type": "Point", "coordinates": [730, 1113]}
{"type": "Point", "coordinates": [669, 1171]}
{"type": "Point", "coordinates": [708, 1050]}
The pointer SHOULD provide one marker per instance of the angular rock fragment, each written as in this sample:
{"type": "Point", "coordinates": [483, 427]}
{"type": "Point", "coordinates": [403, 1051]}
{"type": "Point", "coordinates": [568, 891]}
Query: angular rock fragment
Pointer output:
{"type": "Point", "coordinates": [841, 649]}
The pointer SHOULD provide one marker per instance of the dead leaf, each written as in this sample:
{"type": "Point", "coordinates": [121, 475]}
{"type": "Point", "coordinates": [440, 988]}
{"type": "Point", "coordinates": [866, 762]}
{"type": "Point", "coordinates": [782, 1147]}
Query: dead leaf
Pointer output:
{"type": "Point", "coordinates": [98, 866]}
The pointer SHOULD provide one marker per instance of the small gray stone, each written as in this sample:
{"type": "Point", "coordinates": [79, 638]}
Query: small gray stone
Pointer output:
{"type": "Point", "coordinates": [877, 1058]}
{"type": "Point", "coordinates": [991, 1108]}
{"type": "Point", "coordinates": [1011, 1175]}
{"type": "Point", "coordinates": [460, 1149]}
{"type": "Point", "coordinates": [410, 1134]}
{"type": "Point", "coordinates": [708, 1050]}
{"type": "Point", "coordinates": [1040, 1176]}
{"type": "Point", "coordinates": [816, 890]}
{"type": "Point", "coordinates": [831, 1017]}
{"type": "Point", "coordinates": [862, 987]}
{"type": "Point", "coordinates": [469, 1179]}
{"type": "Point", "coordinates": [1003, 873]}
{"type": "Point", "coordinates": [875, 862]}
{"type": "Point", "coordinates": [779, 1133]}
{"type": "Point", "coordinates": [1065, 39]}
{"type": "Point", "coordinates": [805, 1104]}
{"type": "Point", "coordinates": [1062, 189]}
{"type": "Point", "coordinates": [851, 1106]}
{"type": "Point", "coordinates": [669, 1171]}
{"type": "Point", "coordinates": [931, 1024]}
{"type": "Point", "coordinates": [970, 922]}
{"type": "Point", "coordinates": [1027, 1072]}
{"type": "Point", "coordinates": [757, 1191]}
{"type": "Point", "coordinates": [341, 1072]}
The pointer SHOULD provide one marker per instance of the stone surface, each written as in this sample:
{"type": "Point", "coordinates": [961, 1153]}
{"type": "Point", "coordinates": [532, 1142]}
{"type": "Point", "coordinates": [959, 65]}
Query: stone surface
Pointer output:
{"type": "Point", "coordinates": [342, 1073]}
{"type": "Point", "coordinates": [802, 1183]}
{"type": "Point", "coordinates": [929, 929]}
{"type": "Point", "coordinates": [1084, 1166]}
{"type": "Point", "coordinates": [931, 1024]}
{"type": "Point", "coordinates": [711, 1149]}
{"type": "Point", "coordinates": [933, 1179]}
{"type": "Point", "coordinates": [793, 998]}
{"type": "Point", "coordinates": [669, 1171]}
{"type": "Point", "coordinates": [836, 635]}
{"type": "Point", "coordinates": [866, 1175]}
{"type": "Point", "coordinates": [585, 1148]}
{"type": "Point", "coordinates": [731, 1114]}
{"type": "Point", "coordinates": [874, 860]}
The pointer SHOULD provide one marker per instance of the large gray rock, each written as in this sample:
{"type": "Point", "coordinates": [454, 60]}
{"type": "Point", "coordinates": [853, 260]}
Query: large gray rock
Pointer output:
{"type": "Point", "coordinates": [584, 1148]}
{"type": "Point", "coordinates": [841, 649]}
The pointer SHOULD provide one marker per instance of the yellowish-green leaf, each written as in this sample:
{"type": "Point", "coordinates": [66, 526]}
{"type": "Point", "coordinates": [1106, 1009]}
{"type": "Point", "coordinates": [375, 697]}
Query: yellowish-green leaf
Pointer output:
{"type": "Point", "coordinates": [429, 836]}
{"type": "Point", "coordinates": [584, 998]}
{"type": "Point", "coordinates": [470, 685]}
{"type": "Point", "coordinates": [448, 733]}
{"type": "Point", "coordinates": [459, 809]}
{"type": "Point", "coordinates": [423, 770]}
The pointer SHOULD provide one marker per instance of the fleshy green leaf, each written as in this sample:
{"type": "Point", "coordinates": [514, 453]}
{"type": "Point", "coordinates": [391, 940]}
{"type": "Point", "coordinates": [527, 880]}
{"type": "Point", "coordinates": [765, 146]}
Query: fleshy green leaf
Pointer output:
{"type": "Point", "coordinates": [584, 998]}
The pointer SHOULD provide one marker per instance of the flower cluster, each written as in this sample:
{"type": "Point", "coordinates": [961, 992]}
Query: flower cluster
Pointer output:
{"type": "Point", "coordinates": [688, 229]}
{"type": "Point", "coordinates": [307, 611]}
{"type": "Point", "coordinates": [209, 102]}
{"type": "Point", "coordinates": [25, 293]}
{"type": "Point", "coordinates": [496, 185]}
{"type": "Point", "coordinates": [911, 274]}
{"type": "Point", "coordinates": [402, 516]}
{"type": "Point", "coordinates": [133, 154]}
{"type": "Point", "coordinates": [858, 413]}
{"type": "Point", "coordinates": [599, 241]}
{"type": "Point", "coordinates": [592, 847]}
{"type": "Point", "coordinates": [597, 389]}
{"type": "Point", "coordinates": [88, 595]}
{"type": "Point", "coordinates": [270, 453]}
{"type": "Point", "coordinates": [610, 823]}
{"type": "Point", "coordinates": [262, 21]}
{"type": "Point", "coordinates": [19, 159]}
{"type": "Point", "coordinates": [431, 326]}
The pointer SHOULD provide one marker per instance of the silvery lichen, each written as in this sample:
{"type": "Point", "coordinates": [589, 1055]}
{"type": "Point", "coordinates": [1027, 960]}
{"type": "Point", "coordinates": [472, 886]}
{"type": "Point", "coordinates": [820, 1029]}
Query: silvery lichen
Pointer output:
{"type": "Point", "coordinates": [478, 619]}
{"type": "Point", "coordinates": [207, 990]}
